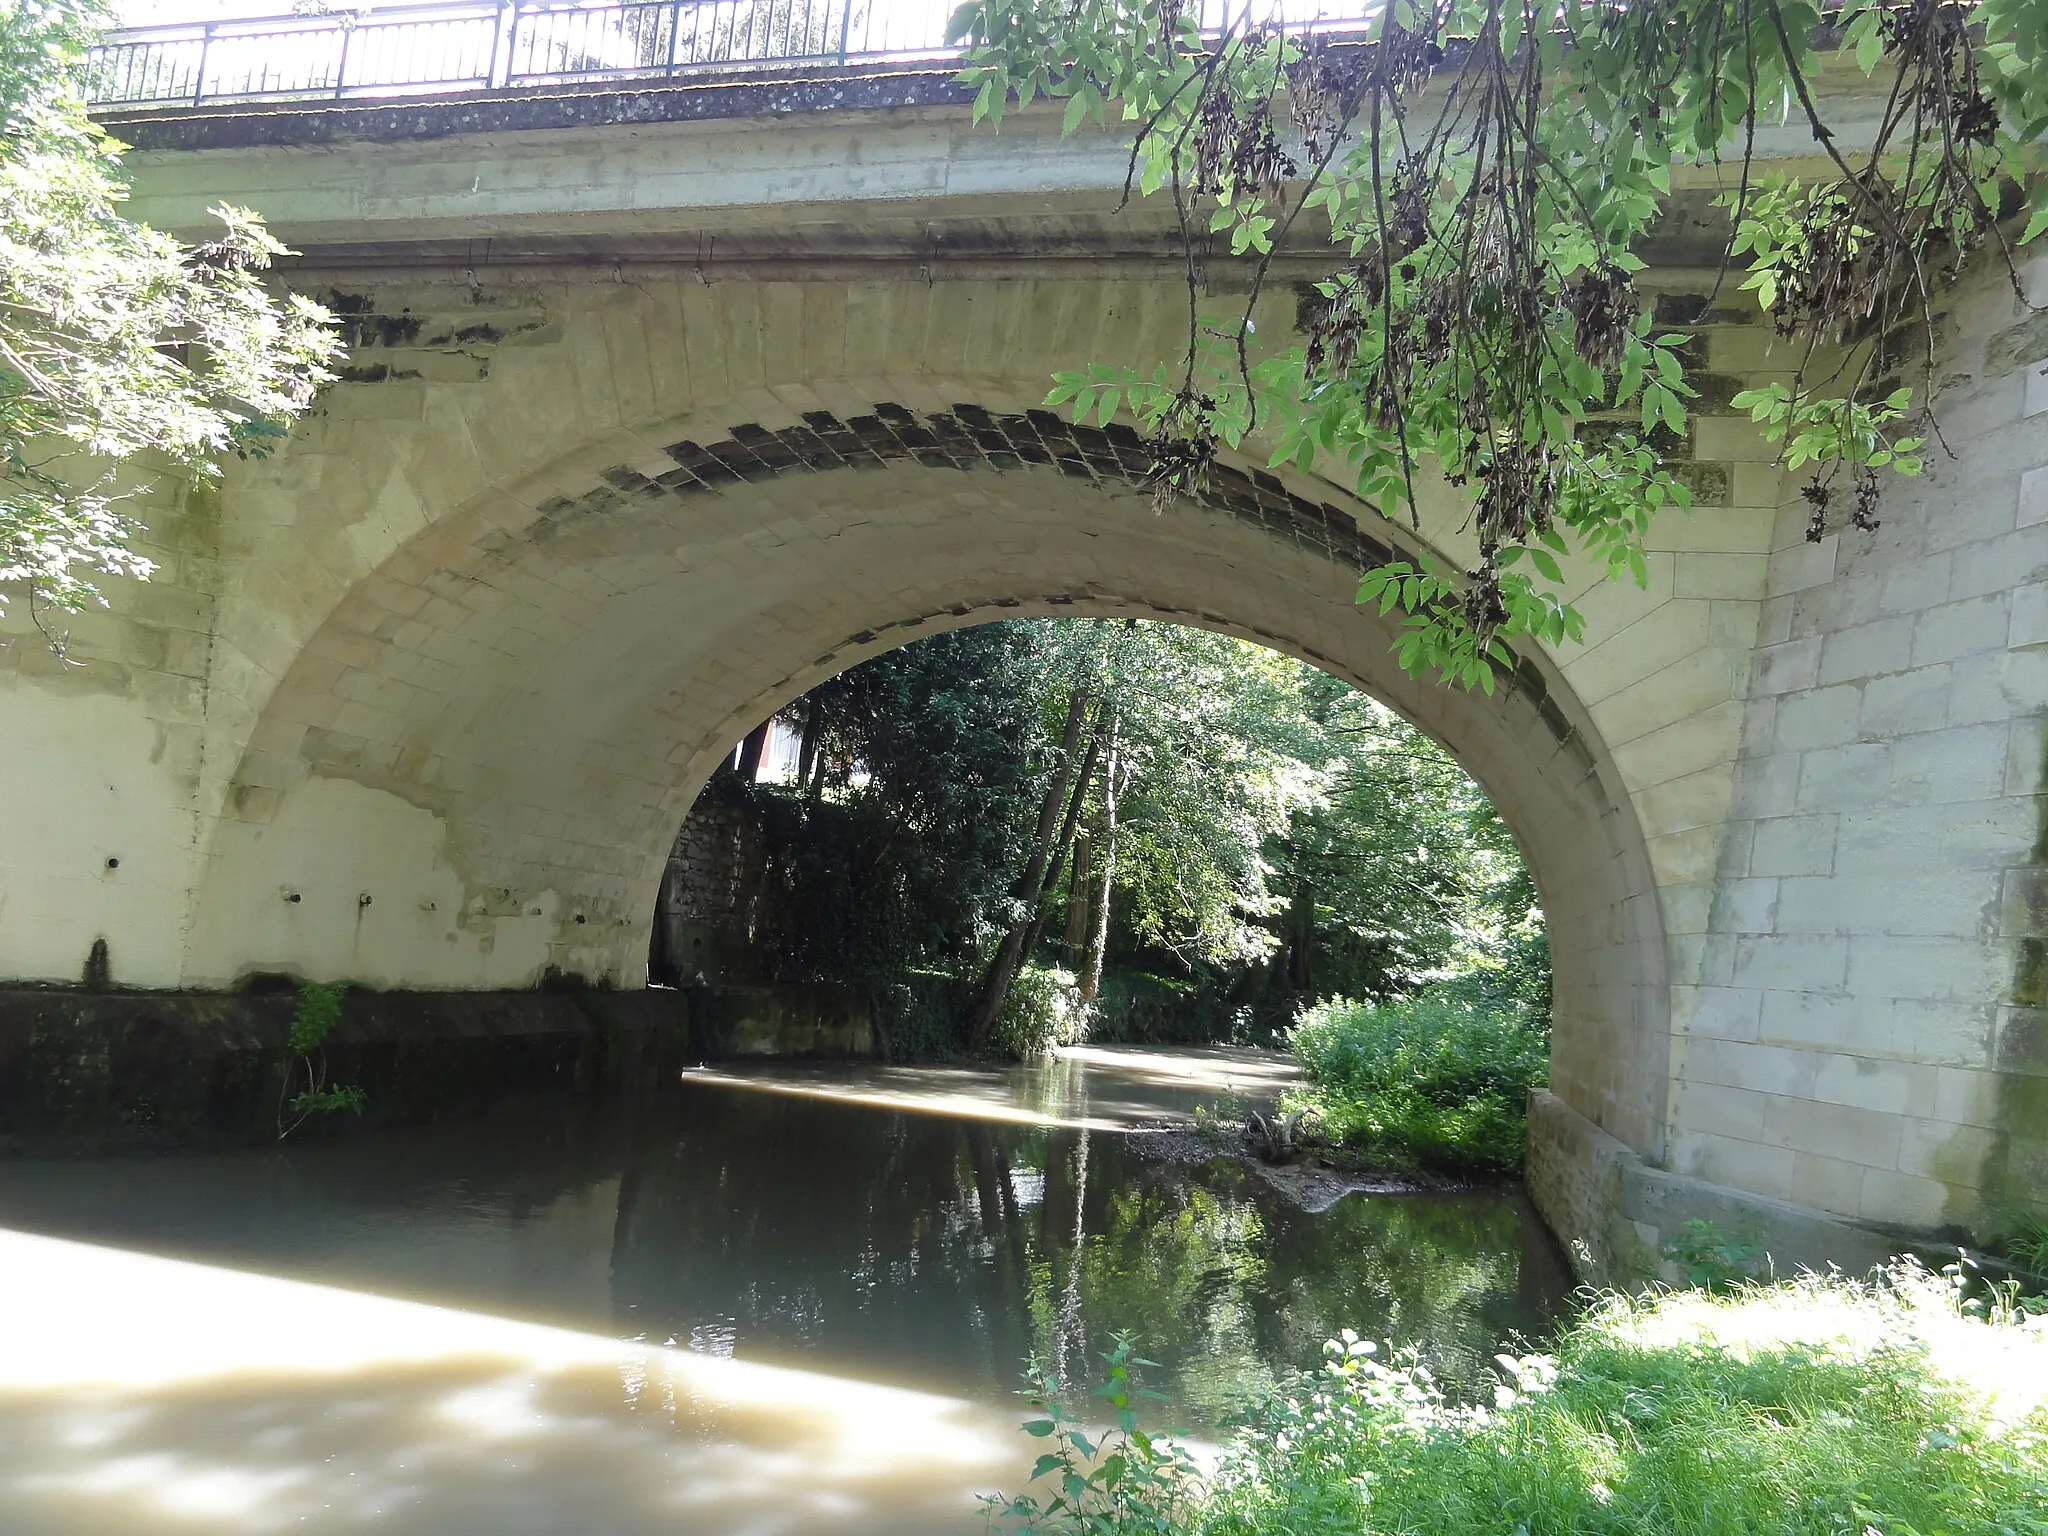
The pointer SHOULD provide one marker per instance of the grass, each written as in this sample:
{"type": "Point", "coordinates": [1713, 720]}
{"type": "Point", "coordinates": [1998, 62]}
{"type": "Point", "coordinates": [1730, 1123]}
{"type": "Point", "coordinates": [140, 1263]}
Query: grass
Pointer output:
{"type": "Point", "coordinates": [2026, 1245]}
{"type": "Point", "coordinates": [1429, 1082]}
{"type": "Point", "coordinates": [1816, 1407]}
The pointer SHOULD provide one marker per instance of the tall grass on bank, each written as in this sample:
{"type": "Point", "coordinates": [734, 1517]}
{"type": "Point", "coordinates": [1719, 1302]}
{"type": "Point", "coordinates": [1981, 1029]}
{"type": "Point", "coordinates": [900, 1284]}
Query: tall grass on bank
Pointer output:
{"type": "Point", "coordinates": [1817, 1407]}
{"type": "Point", "coordinates": [1430, 1082]}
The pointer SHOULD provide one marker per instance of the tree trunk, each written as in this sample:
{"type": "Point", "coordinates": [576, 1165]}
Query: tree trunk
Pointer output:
{"type": "Point", "coordinates": [1301, 923]}
{"type": "Point", "coordinates": [752, 750]}
{"type": "Point", "coordinates": [1066, 840]}
{"type": "Point", "coordinates": [1105, 872]}
{"type": "Point", "coordinates": [663, 965]}
{"type": "Point", "coordinates": [1077, 902]}
{"type": "Point", "coordinates": [807, 753]}
{"type": "Point", "coordinates": [1030, 886]}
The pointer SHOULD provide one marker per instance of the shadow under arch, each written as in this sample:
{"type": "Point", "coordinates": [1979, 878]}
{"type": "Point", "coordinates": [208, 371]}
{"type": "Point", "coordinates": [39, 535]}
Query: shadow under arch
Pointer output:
{"type": "Point", "coordinates": [473, 770]}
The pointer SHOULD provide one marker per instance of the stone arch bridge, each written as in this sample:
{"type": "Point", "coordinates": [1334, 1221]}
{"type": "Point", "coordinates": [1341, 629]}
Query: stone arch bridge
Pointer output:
{"type": "Point", "coordinates": [666, 403]}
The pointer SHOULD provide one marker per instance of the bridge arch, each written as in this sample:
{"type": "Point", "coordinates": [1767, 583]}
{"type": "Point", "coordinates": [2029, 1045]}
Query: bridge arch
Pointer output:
{"type": "Point", "coordinates": [471, 772]}
{"type": "Point", "coordinates": [1814, 767]}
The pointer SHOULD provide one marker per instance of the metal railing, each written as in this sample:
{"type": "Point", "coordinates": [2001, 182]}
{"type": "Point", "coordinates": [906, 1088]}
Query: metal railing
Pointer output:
{"type": "Point", "coordinates": [480, 45]}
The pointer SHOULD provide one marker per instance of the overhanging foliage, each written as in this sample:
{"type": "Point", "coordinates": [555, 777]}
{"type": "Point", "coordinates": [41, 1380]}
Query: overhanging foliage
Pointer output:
{"type": "Point", "coordinates": [118, 346]}
{"type": "Point", "coordinates": [1485, 170]}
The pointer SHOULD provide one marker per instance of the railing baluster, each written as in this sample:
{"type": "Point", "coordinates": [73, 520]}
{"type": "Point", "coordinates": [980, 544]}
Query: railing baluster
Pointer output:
{"type": "Point", "coordinates": [341, 64]}
{"type": "Point", "coordinates": [503, 40]}
{"type": "Point", "coordinates": [199, 80]}
{"type": "Point", "coordinates": [440, 46]}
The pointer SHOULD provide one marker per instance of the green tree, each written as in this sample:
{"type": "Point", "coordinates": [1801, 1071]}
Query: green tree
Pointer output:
{"type": "Point", "coordinates": [1088, 721]}
{"type": "Point", "coordinates": [1399, 869]}
{"type": "Point", "coordinates": [1485, 170]}
{"type": "Point", "coordinates": [1281, 836]}
{"type": "Point", "coordinates": [1216, 753]}
{"type": "Point", "coordinates": [1186, 802]}
{"type": "Point", "coordinates": [120, 349]}
{"type": "Point", "coordinates": [893, 849]}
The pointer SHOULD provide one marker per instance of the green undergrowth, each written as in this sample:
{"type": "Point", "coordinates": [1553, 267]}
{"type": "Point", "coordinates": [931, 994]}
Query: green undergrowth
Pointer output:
{"type": "Point", "coordinates": [1435, 1081]}
{"type": "Point", "coordinates": [1042, 1013]}
{"type": "Point", "coordinates": [1139, 1008]}
{"type": "Point", "coordinates": [2026, 1245]}
{"type": "Point", "coordinates": [1819, 1405]}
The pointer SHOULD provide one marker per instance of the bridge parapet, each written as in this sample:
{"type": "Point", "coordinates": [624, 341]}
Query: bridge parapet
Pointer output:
{"type": "Point", "coordinates": [466, 46]}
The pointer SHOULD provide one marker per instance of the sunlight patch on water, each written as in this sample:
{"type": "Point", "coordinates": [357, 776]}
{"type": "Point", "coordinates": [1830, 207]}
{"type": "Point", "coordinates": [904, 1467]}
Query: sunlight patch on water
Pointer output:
{"type": "Point", "coordinates": [923, 1093]}
{"type": "Point", "coordinates": [1208, 1069]}
{"type": "Point", "coordinates": [145, 1394]}
{"type": "Point", "coordinates": [1083, 1088]}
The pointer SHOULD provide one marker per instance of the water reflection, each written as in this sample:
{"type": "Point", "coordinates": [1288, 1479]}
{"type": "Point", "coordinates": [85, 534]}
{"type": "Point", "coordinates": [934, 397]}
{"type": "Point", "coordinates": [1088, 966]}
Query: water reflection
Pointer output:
{"type": "Point", "coordinates": [942, 1252]}
{"type": "Point", "coordinates": [807, 1237]}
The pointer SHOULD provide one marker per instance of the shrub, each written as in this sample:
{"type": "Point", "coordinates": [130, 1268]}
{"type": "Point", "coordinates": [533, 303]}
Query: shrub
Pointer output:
{"type": "Point", "coordinates": [1042, 1011]}
{"type": "Point", "coordinates": [318, 1012]}
{"type": "Point", "coordinates": [2026, 1245]}
{"type": "Point", "coordinates": [1430, 1081]}
{"type": "Point", "coordinates": [1819, 1406]}
{"type": "Point", "coordinates": [916, 1015]}
{"type": "Point", "coordinates": [1138, 1008]}
{"type": "Point", "coordinates": [1114, 1482]}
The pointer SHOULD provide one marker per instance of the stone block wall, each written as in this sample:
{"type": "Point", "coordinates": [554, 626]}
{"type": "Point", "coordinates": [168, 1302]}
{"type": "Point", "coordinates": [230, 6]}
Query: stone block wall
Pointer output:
{"type": "Point", "coordinates": [702, 909]}
{"type": "Point", "coordinates": [1865, 1037]}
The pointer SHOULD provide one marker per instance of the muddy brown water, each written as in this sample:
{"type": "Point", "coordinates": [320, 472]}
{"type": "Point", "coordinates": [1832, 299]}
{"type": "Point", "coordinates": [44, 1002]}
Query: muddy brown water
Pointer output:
{"type": "Point", "coordinates": [783, 1299]}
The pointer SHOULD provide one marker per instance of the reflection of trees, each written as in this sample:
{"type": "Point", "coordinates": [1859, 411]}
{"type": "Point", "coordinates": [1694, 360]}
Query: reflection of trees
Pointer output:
{"type": "Point", "coordinates": [806, 1225]}
{"type": "Point", "coordinates": [1229, 1286]}
{"type": "Point", "coordinates": [1181, 1267]}
{"type": "Point", "coordinates": [1452, 1275]}
{"type": "Point", "coordinates": [942, 1252]}
{"type": "Point", "coordinates": [920, 1249]}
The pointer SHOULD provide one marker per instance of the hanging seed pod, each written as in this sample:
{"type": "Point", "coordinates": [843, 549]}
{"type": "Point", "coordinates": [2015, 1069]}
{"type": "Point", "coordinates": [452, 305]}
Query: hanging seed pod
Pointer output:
{"type": "Point", "coordinates": [1602, 304]}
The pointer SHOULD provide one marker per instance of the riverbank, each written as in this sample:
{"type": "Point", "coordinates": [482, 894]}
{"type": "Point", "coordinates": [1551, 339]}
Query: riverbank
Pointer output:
{"type": "Point", "coordinates": [1818, 1406]}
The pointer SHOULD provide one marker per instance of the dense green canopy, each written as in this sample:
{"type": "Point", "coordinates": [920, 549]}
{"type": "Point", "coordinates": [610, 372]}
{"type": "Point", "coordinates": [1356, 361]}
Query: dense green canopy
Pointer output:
{"type": "Point", "coordinates": [1265, 834]}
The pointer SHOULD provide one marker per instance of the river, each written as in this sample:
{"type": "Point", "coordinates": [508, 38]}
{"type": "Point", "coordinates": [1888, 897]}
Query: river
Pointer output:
{"type": "Point", "coordinates": [769, 1300]}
